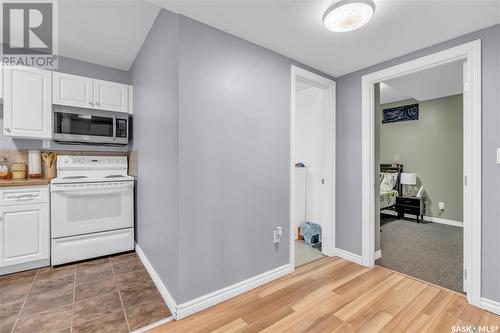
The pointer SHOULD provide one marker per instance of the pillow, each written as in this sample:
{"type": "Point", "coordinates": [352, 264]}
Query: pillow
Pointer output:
{"type": "Point", "coordinates": [388, 181]}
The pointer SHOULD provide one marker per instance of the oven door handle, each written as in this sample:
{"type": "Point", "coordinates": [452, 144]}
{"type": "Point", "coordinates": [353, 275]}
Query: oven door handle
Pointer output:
{"type": "Point", "coordinates": [98, 188]}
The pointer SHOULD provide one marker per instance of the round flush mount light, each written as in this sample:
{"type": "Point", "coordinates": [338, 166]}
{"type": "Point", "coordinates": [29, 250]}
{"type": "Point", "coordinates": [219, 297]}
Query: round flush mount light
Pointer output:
{"type": "Point", "coordinates": [348, 15]}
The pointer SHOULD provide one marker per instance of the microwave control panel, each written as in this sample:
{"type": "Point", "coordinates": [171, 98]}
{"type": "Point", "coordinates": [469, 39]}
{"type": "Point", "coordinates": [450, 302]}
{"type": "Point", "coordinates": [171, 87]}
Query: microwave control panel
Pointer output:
{"type": "Point", "coordinates": [121, 128]}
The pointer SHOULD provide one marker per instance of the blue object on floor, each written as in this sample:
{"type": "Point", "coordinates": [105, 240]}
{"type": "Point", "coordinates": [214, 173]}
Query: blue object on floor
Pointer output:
{"type": "Point", "coordinates": [308, 230]}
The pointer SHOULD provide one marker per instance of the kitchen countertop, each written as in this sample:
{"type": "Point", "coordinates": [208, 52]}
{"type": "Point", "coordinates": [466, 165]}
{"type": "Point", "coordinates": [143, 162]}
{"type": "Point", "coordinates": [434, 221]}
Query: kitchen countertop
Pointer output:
{"type": "Point", "coordinates": [23, 182]}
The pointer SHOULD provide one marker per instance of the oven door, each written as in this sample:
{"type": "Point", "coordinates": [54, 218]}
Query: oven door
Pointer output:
{"type": "Point", "coordinates": [91, 207]}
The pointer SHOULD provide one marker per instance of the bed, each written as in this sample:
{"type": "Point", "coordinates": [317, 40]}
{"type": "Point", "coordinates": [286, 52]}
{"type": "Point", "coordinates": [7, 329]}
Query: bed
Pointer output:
{"type": "Point", "coordinates": [390, 185]}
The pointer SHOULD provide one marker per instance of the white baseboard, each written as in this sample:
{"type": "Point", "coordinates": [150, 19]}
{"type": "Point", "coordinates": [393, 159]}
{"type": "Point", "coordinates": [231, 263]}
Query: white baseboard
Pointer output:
{"type": "Point", "coordinates": [444, 221]}
{"type": "Point", "coordinates": [167, 297]}
{"type": "Point", "coordinates": [428, 219]}
{"type": "Point", "coordinates": [218, 296]}
{"type": "Point", "coordinates": [153, 325]}
{"type": "Point", "coordinates": [490, 305]}
{"type": "Point", "coordinates": [183, 310]}
{"type": "Point", "coordinates": [378, 254]}
{"type": "Point", "coordinates": [349, 256]}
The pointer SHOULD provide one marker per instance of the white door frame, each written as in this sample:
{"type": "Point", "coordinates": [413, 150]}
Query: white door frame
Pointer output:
{"type": "Point", "coordinates": [471, 54]}
{"type": "Point", "coordinates": [328, 207]}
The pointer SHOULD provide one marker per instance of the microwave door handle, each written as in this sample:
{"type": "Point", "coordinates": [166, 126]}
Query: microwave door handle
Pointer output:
{"type": "Point", "coordinates": [85, 116]}
{"type": "Point", "coordinates": [114, 126]}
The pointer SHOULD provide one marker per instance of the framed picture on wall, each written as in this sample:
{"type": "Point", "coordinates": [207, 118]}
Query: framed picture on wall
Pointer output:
{"type": "Point", "coordinates": [400, 113]}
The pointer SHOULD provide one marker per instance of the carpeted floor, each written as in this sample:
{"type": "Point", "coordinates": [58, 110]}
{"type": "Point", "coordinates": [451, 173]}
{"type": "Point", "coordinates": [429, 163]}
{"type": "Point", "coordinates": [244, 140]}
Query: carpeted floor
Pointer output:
{"type": "Point", "coordinates": [429, 251]}
{"type": "Point", "coordinates": [305, 253]}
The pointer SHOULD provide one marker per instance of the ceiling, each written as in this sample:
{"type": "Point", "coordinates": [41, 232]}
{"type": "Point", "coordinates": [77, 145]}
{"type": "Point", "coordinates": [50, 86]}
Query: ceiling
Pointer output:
{"type": "Point", "coordinates": [436, 82]}
{"type": "Point", "coordinates": [388, 94]}
{"type": "Point", "coordinates": [110, 32]}
{"type": "Point", "coordinates": [105, 32]}
{"type": "Point", "coordinates": [294, 28]}
{"type": "Point", "coordinates": [301, 85]}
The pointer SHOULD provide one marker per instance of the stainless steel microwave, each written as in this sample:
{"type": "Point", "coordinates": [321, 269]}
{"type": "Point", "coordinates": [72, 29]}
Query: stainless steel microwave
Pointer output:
{"type": "Point", "coordinates": [73, 125]}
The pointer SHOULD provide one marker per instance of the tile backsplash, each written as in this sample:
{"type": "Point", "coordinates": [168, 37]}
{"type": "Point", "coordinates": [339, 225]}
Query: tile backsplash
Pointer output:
{"type": "Point", "coordinates": [21, 156]}
{"type": "Point", "coordinates": [14, 155]}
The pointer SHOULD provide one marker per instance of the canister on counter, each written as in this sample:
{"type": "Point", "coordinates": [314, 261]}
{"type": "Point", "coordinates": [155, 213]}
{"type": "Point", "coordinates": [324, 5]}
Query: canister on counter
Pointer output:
{"type": "Point", "coordinates": [35, 164]}
{"type": "Point", "coordinates": [4, 168]}
{"type": "Point", "coordinates": [18, 170]}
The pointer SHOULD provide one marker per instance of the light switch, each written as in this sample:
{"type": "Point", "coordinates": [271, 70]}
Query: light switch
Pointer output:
{"type": "Point", "coordinates": [498, 155]}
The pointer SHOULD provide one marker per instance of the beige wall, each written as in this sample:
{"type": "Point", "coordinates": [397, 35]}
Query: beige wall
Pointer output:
{"type": "Point", "coordinates": [431, 147]}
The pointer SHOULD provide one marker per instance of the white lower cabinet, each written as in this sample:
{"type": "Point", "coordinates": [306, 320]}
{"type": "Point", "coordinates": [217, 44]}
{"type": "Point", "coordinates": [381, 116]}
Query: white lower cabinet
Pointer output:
{"type": "Point", "coordinates": [24, 229]}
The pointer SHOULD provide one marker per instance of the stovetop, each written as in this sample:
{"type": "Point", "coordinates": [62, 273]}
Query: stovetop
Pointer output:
{"type": "Point", "coordinates": [86, 169]}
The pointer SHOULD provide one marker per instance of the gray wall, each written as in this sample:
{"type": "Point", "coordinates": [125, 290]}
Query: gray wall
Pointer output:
{"type": "Point", "coordinates": [76, 67]}
{"type": "Point", "coordinates": [348, 216]}
{"type": "Point", "coordinates": [154, 75]}
{"type": "Point", "coordinates": [233, 160]}
{"type": "Point", "coordinates": [432, 148]}
{"type": "Point", "coordinates": [221, 123]}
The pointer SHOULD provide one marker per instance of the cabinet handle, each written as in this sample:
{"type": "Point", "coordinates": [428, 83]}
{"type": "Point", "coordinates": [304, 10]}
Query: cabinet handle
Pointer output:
{"type": "Point", "coordinates": [7, 130]}
{"type": "Point", "coordinates": [23, 197]}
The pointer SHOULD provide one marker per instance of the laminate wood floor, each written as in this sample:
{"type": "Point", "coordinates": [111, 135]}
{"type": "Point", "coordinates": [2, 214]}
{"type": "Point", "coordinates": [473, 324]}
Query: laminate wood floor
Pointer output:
{"type": "Point", "coordinates": [335, 295]}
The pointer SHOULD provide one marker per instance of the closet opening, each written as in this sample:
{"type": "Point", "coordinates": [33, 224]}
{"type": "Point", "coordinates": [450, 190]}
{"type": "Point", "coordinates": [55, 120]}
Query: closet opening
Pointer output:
{"type": "Point", "coordinates": [313, 167]}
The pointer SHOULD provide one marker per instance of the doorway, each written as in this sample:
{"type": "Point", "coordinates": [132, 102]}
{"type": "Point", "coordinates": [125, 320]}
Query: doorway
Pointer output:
{"type": "Point", "coordinates": [470, 54]}
{"type": "Point", "coordinates": [419, 161]}
{"type": "Point", "coordinates": [312, 167]}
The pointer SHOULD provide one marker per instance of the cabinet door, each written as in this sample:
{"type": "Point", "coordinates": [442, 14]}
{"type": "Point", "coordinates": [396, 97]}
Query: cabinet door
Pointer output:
{"type": "Point", "coordinates": [110, 96]}
{"type": "Point", "coordinates": [24, 233]}
{"type": "Point", "coordinates": [130, 100]}
{"type": "Point", "coordinates": [27, 102]}
{"type": "Point", "coordinates": [72, 90]}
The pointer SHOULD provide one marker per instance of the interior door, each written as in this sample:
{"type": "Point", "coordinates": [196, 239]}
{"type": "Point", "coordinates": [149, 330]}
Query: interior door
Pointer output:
{"type": "Point", "coordinates": [24, 233]}
{"type": "Point", "coordinates": [72, 90]}
{"type": "Point", "coordinates": [110, 96]}
{"type": "Point", "coordinates": [27, 102]}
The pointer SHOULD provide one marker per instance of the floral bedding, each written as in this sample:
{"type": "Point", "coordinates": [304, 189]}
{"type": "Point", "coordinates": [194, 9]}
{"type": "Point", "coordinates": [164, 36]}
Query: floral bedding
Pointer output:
{"type": "Point", "coordinates": [388, 194]}
{"type": "Point", "coordinates": [388, 198]}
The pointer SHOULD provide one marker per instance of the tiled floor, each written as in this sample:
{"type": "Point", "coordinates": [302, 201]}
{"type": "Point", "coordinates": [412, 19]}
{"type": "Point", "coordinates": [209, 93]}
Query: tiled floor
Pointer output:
{"type": "Point", "coordinates": [111, 294]}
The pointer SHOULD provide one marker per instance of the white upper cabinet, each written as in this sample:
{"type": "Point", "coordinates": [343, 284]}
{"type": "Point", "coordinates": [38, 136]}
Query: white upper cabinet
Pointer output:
{"type": "Point", "coordinates": [130, 100]}
{"type": "Point", "coordinates": [110, 96]}
{"type": "Point", "coordinates": [84, 92]}
{"type": "Point", "coordinates": [27, 102]}
{"type": "Point", "coordinates": [72, 90]}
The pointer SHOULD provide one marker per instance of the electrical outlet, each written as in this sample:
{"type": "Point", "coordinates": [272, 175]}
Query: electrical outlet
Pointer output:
{"type": "Point", "coordinates": [46, 144]}
{"type": "Point", "coordinates": [277, 234]}
{"type": "Point", "coordinates": [441, 205]}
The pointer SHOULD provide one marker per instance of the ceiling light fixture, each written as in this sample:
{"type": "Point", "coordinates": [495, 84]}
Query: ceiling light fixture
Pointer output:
{"type": "Point", "coordinates": [348, 15]}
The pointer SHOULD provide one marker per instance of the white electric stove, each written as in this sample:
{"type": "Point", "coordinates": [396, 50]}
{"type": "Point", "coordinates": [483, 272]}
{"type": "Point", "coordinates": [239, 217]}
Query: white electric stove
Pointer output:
{"type": "Point", "coordinates": [92, 208]}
